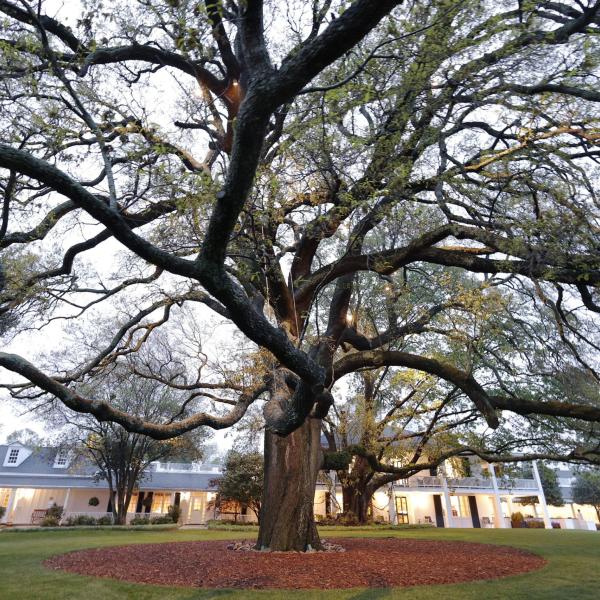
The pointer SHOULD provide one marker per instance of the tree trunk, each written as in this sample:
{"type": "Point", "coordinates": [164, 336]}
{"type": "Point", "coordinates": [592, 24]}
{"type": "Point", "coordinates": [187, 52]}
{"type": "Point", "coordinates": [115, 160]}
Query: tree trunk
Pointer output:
{"type": "Point", "coordinates": [121, 513]}
{"type": "Point", "coordinates": [292, 465]}
{"type": "Point", "coordinates": [356, 492]}
{"type": "Point", "coordinates": [357, 501]}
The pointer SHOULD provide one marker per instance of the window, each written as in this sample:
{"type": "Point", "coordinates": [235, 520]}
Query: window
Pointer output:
{"type": "Point", "coordinates": [13, 456]}
{"type": "Point", "coordinates": [460, 506]}
{"type": "Point", "coordinates": [402, 509]}
{"type": "Point", "coordinates": [160, 502]}
{"type": "Point", "coordinates": [61, 460]}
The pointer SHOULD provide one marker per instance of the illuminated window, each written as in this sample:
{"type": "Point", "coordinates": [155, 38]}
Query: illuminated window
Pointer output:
{"type": "Point", "coordinates": [460, 506]}
{"type": "Point", "coordinates": [160, 502]}
{"type": "Point", "coordinates": [402, 509]}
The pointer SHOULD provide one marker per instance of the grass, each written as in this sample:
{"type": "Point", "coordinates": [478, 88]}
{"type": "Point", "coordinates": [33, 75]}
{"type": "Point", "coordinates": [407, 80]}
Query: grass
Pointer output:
{"type": "Point", "coordinates": [573, 570]}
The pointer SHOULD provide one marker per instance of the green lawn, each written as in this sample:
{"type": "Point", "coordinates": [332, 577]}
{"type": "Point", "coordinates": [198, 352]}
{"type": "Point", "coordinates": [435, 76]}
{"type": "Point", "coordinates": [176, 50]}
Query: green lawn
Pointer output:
{"type": "Point", "coordinates": [573, 570]}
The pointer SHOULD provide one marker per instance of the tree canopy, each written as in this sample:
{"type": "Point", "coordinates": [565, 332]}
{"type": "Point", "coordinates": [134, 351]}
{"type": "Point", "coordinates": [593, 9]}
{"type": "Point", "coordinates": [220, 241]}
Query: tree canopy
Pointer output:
{"type": "Point", "coordinates": [242, 480]}
{"type": "Point", "coordinates": [586, 489]}
{"type": "Point", "coordinates": [349, 186]}
{"type": "Point", "coordinates": [123, 459]}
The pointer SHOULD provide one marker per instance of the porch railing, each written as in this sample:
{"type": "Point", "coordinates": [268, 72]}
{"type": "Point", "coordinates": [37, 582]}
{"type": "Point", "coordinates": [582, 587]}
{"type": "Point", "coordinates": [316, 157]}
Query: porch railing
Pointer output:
{"type": "Point", "coordinates": [429, 481]}
{"type": "Point", "coordinates": [469, 482]}
{"type": "Point", "coordinates": [465, 522]}
{"type": "Point", "coordinates": [89, 514]}
{"type": "Point", "coordinates": [194, 467]}
{"type": "Point", "coordinates": [482, 483]}
{"type": "Point", "coordinates": [517, 484]}
{"type": "Point", "coordinates": [109, 515]}
{"type": "Point", "coordinates": [247, 518]}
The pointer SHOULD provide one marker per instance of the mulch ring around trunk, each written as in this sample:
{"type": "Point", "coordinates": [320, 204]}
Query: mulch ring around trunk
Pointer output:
{"type": "Point", "coordinates": [376, 563]}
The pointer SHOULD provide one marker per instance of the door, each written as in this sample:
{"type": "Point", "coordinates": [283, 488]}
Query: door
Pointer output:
{"type": "Point", "coordinates": [474, 511]}
{"type": "Point", "coordinates": [402, 510]}
{"type": "Point", "coordinates": [197, 507]}
{"type": "Point", "coordinates": [439, 514]}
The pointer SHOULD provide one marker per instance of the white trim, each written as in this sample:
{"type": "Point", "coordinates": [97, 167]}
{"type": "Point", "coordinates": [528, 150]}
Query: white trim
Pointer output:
{"type": "Point", "coordinates": [447, 502]}
{"type": "Point", "coordinates": [500, 522]}
{"type": "Point", "coordinates": [10, 505]}
{"type": "Point", "coordinates": [22, 454]}
{"type": "Point", "coordinates": [541, 496]}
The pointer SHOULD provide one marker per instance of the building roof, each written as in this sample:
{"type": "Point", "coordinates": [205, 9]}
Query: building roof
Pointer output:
{"type": "Point", "coordinates": [38, 470]}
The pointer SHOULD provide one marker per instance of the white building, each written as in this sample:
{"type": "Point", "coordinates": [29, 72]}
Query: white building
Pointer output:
{"type": "Point", "coordinates": [33, 480]}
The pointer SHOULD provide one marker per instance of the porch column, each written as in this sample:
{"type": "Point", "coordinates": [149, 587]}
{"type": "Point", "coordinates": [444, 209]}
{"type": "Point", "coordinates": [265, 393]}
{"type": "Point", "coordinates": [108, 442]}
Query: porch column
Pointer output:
{"type": "Point", "coordinates": [9, 507]}
{"type": "Point", "coordinates": [541, 496]}
{"type": "Point", "coordinates": [66, 503]}
{"type": "Point", "coordinates": [392, 506]}
{"type": "Point", "coordinates": [500, 521]}
{"type": "Point", "coordinates": [509, 504]}
{"type": "Point", "coordinates": [449, 519]}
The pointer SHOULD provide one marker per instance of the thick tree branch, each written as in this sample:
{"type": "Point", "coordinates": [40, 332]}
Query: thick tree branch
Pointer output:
{"type": "Point", "coordinates": [103, 411]}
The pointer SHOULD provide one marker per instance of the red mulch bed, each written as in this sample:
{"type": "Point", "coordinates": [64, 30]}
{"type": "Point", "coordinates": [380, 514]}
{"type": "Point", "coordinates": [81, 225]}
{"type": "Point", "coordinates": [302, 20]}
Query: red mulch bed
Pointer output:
{"type": "Point", "coordinates": [380, 562]}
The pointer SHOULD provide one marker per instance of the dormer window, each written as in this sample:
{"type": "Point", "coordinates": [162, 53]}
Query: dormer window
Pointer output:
{"type": "Point", "coordinates": [62, 459]}
{"type": "Point", "coordinates": [13, 456]}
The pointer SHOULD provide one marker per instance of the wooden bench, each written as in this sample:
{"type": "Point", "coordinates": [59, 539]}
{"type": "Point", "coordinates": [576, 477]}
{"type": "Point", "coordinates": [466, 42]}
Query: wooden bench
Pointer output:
{"type": "Point", "coordinates": [38, 515]}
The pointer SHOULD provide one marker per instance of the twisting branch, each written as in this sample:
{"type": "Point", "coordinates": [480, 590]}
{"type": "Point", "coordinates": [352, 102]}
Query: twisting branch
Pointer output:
{"type": "Point", "coordinates": [105, 412]}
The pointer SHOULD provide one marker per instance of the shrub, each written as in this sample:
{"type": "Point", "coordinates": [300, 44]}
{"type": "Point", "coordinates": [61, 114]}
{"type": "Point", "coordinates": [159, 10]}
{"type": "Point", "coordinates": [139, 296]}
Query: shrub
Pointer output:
{"type": "Point", "coordinates": [344, 519]}
{"type": "Point", "coordinates": [162, 520]}
{"type": "Point", "coordinates": [140, 521]}
{"type": "Point", "coordinates": [536, 524]}
{"type": "Point", "coordinates": [50, 521]}
{"type": "Point", "coordinates": [174, 513]}
{"type": "Point", "coordinates": [517, 520]}
{"type": "Point", "coordinates": [79, 520]}
{"type": "Point", "coordinates": [347, 519]}
{"type": "Point", "coordinates": [93, 501]}
{"type": "Point", "coordinates": [55, 512]}
{"type": "Point", "coordinates": [2, 511]}
{"type": "Point", "coordinates": [105, 520]}
{"type": "Point", "coordinates": [555, 525]}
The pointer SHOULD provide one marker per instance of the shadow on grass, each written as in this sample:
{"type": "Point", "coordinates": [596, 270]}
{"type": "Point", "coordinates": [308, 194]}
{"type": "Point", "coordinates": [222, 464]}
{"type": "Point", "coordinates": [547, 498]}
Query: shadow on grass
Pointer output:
{"type": "Point", "coordinates": [372, 594]}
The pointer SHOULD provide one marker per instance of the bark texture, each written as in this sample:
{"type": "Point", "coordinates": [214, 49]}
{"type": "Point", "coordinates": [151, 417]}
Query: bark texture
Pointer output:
{"type": "Point", "coordinates": [358, 502]}
{"type": "Point", "coordinates": [292, 464]}
{"type": "Point", "coordinates": [356, 491]}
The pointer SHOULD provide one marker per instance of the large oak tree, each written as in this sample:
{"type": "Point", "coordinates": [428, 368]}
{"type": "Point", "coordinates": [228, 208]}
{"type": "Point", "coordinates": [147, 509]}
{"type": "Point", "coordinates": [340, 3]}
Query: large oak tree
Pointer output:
{"type": "Point", "coordinates": [352, 185]}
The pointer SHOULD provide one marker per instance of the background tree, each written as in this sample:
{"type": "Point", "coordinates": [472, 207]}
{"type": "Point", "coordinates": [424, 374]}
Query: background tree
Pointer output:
{"type": "Point", "coordinates": [394, 426]}
{"type": "Point", "coordinates": [123, 458]}
{"type": "Point", "coordinates": [27, 437]}
{"type": "Point", "coordinates": [241, 481]}
{"type": "Point", "coordinates": [586, 489]}
{"type": "Point", "coordinates": [373, 181]}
